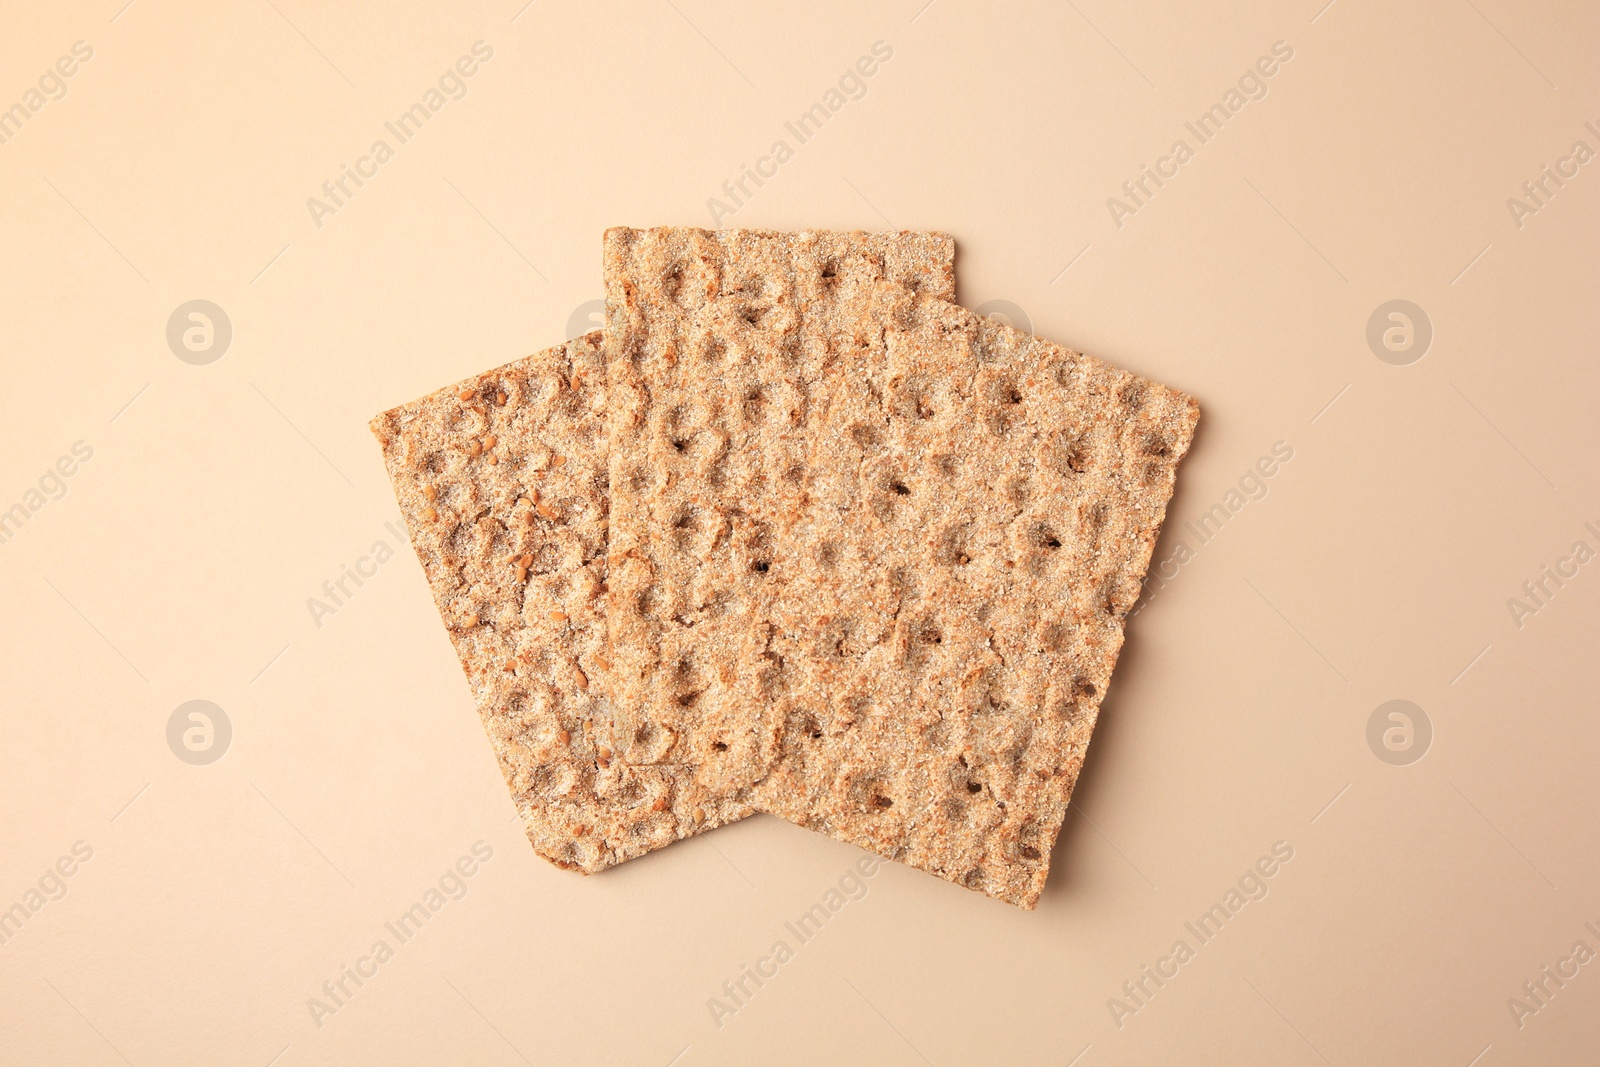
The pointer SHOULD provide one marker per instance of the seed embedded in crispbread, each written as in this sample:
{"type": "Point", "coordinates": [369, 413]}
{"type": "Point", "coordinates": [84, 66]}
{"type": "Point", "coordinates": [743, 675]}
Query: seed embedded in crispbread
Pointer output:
{"type": "Point", "coordinates": [890, 591]}
{"type": "Point", "coordinates": [502, 483]}
{"type": "Point", "coordinates": [716, 342]}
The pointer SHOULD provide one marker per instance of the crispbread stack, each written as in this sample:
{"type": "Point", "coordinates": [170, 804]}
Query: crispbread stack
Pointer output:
{"type": "Point", "coordinates": [798, 535]}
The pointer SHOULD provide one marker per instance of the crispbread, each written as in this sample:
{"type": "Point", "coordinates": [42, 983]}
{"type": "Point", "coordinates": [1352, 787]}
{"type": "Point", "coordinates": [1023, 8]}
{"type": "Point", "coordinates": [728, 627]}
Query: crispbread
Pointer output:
{"type": "Point", "coordinates": [1009, 496]}
{"type": "Point", "coordinates": [581, 808]}
{"type": "Point", "coordinates": [893, 599]}
{"type": "Point", "coordinates": [515, 461]}
{"type": "Point", "coordinates": [715, 340]}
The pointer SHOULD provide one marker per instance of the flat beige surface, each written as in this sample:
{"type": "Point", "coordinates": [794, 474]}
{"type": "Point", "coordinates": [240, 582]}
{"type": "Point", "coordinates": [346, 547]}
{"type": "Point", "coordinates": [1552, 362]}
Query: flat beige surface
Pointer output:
{"type": "Point", "coordinates": [1406, 505]}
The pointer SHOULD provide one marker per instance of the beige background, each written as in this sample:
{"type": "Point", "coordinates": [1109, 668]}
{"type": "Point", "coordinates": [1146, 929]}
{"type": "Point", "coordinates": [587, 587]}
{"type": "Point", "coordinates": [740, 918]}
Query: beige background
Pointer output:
{"type": "Point", "coordinates": [219, 498]}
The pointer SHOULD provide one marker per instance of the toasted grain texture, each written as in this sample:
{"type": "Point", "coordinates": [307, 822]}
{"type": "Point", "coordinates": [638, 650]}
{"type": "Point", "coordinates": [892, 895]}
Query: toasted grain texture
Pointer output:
{"type": "Point", "coordinates": [487, 486]}
{"type": "Point", "coordinates": [895, 597]}
{"type": "Point", "coordinates": [1010, 492]}
{"type": "Point", "coordinates": [507, 506]}
{"type": "Point", "coordinates": [716, 345]}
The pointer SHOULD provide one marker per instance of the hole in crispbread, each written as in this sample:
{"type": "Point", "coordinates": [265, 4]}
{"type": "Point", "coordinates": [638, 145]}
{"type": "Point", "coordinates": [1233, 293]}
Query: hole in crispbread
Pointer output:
{"type": "Point", "coordinates": [953, 546]}
{"type": "Point", "coordinates": [903, 582]}
{"type": "Point", "coordinates": [856, 709]}
{"type": "Point", "coordinates": [866, 794]}
{"type": "Point", "coordinates": [463, 541]}
{"type": "Point", "coordinates": [672, 281]}
{"type": "Point", "coordinates": [1045, 537]}
{"type": "Point", "coordinates": [891, 495]}
{"type": "Point", "coordinates": [1132, 394]}
{"type": "Point", "coordinates": [720, 746]}
{"type": "Point", "coordinates": [761, 566]}
{"type": "Point", "coordinates": [1028, 852]}
{"type": "Point", "coordinates": [865, 436]}
{"type": "Point", "coordinates": [1006, 392]}
{"type": "Point", "coordinates": [974, 787]}
{"type": "Point", "coordinates": [1156, 445]}
{"type": "Point", "coordinates": [1055, 636]}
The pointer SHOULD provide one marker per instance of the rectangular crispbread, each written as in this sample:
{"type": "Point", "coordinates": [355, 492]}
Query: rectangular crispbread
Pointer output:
{"type": "Point", "coordinates": [945, 669]}
{"type": "Point", "coordinates": [871, 553]}
{"type": "Point", "coordinates": [502, 481]}
{"type": "Point", "coordinates": [714, 341]}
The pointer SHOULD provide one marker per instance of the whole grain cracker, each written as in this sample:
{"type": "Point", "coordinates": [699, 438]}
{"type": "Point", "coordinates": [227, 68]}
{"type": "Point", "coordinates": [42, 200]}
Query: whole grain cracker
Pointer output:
{"type": "Point", "coordinates": [715, 341]}
{"type": "Point", "coordinates": [502, 483]}
{"type": "Point", "coordinates": [1009, 495]}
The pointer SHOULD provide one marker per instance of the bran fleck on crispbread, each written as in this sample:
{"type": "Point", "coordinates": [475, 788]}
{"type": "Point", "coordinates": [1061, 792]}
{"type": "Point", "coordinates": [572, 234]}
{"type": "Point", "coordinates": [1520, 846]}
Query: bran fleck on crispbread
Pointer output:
{"type": "Point", "coordinates": [892, 599]}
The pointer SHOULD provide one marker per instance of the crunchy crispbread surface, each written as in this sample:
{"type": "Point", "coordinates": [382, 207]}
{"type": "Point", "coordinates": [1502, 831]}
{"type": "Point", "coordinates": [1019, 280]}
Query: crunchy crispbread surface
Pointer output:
{"type": "Point", "coordinates": [502, 483]}
{"type": "Point", "coordinates": [510, 468]}
{"type": "Point", "coordinates": [873, 556]}
{"type": "Point", "coordinates": [716, 342]}
{"type": "Point", "coordinates": [1008, 497]}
